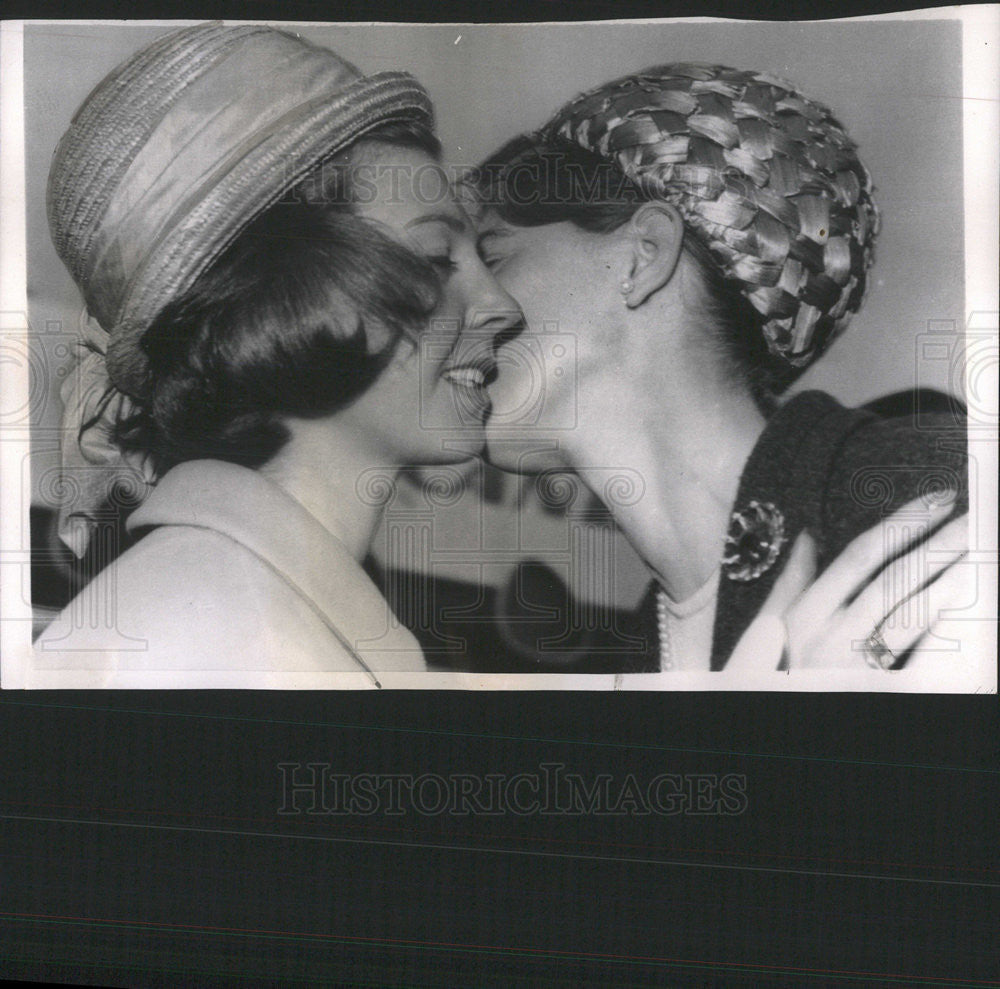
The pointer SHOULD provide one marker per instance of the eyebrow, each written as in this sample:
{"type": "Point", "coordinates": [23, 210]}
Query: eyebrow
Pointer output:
{"type": "Point", "coordinates": [448, 219]}
{"type": "Point", "coordinates": [491, 232]}
{"type": "Point", "coordinates": [490, 222]}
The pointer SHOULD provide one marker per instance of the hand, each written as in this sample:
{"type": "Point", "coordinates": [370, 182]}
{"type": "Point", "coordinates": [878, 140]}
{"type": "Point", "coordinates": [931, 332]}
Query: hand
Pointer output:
{"type": "Point", "coordinates": [826, 622]}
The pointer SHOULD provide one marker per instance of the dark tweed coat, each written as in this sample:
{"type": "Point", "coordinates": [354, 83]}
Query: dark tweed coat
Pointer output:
{"type": "Point", "coordinates": [836, 471]}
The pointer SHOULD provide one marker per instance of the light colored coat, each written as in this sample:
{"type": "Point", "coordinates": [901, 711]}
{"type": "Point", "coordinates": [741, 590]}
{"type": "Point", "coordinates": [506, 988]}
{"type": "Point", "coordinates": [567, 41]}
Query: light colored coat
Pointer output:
{"type": "Point", "coordinates": [234, 584]}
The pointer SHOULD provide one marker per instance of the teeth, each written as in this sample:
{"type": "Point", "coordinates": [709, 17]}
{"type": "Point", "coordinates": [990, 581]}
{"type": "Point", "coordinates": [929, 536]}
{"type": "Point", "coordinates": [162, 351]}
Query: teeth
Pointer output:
{"type": "Point", "coordinates": [468, 376]}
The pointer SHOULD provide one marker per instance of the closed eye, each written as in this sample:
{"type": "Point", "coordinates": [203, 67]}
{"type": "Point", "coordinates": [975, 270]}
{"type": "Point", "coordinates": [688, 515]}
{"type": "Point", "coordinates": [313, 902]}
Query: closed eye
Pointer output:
{"type": "Point", "coordinates": [443, 263]}
{"type": "Point", "coordinates": [489, 244]}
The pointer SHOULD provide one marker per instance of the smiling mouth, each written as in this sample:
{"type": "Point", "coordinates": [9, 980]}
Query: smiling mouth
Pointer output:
{"type": "Point", "coordinates": [472, 376]}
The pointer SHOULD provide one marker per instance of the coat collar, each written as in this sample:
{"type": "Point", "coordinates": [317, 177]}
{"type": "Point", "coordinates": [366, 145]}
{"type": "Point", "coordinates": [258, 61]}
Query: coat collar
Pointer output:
{"type": "Point", "coordinates": [789, 469]}
{"type": "Point", "coordinates": [255, 512]}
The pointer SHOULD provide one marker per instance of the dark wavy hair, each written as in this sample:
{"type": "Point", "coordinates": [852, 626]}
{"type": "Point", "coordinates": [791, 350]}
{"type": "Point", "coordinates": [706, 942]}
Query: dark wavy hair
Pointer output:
{"type": "Point", "coordinates": [279, 325]}
{"type": "Point", "coordinates": [532, 181]}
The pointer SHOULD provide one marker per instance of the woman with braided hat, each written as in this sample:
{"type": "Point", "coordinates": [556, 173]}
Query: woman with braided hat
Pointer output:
{"type": "Point", "coordinates": [705, 233]}
{"type": "Point", "coordinates": [255, 355]}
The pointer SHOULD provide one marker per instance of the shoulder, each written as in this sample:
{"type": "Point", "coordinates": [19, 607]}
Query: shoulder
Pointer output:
{"type": "Point", "coordinates": [836, 472]}
{"type": "Point", "coordinates": [899, 447]}
{"type": "Point", "coordinates": [889, 453]}
{"type": "Point", "coordinates": [185, 598]}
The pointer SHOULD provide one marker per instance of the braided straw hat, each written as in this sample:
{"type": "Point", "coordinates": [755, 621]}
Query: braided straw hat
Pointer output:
{"type": "Point", "coordinates": [767, 179]}
{"type": "Point", "coordinates": [182, 146]}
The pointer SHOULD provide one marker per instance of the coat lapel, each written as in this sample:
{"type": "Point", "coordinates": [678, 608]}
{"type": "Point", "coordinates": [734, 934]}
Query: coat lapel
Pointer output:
{"type": "Point", "coordinates": [256, 513]}
{"type": "Point", "coordinates": [789, 469]}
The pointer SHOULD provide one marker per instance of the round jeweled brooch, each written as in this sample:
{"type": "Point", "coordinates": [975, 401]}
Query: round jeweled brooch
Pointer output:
{"type": "Point", "coordinates": [753, 543]}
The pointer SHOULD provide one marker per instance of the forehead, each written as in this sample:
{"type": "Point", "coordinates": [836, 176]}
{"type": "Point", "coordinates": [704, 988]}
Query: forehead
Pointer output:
{"type": "Point", "coordinates": [493, 229]}
{"type": "Point", "coordinates": [394, 183]}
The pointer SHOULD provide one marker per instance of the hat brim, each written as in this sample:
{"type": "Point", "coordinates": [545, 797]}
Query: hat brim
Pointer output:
{"type": "Point", "coordinates": [225, 202]}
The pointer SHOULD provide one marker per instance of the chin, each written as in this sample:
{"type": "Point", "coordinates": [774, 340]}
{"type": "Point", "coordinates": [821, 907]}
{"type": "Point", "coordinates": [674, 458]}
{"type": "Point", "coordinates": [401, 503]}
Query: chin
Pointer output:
{"type": "Point", "coordinates": [522, 451]}
{"type": "Point", "coordinates": [454, 446]}
{"type": "Point", "coordinates": [501, 456]}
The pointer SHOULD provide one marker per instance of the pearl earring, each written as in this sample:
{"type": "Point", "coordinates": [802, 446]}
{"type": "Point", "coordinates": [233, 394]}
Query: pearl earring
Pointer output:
{"type": "Point", "coordinates": [626, 286]}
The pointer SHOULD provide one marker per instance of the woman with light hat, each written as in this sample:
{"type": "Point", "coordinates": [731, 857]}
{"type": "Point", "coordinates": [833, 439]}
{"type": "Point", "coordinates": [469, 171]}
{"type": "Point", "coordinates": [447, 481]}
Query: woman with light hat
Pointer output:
{"type": "Point", "coordinates": [705, 233]}
{"type": "Point", "coordinates": [260, 290]}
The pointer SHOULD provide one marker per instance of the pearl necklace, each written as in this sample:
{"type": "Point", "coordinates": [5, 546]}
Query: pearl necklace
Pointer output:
{"type": "Point", "coordinates": [753, 544]}
{"type": "Point", "coordinates": [666, 658]}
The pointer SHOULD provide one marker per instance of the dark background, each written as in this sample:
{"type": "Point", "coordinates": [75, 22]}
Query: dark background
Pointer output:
{"type": "Point", "coordinates": [142, 845]}
{"type": "Point", "coordinates": [448, 10]}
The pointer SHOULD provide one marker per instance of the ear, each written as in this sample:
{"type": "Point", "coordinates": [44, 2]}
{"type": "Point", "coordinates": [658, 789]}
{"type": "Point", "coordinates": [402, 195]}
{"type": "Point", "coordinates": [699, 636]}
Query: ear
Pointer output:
{"type": "Point", "coordinates": [656, 235]}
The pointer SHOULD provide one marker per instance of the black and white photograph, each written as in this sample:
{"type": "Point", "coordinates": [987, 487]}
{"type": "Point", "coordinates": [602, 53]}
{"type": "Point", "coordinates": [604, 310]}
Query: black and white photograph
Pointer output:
{"type": "Point", "coordinates": [499, 505]}
{"type": "Point", "coordinates": [655, 356]}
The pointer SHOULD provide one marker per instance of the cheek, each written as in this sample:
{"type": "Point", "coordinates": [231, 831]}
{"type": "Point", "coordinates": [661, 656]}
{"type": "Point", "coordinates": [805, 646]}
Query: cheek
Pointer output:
{"type": "Point", "coordinates": [560, 287]}
{"type": "Point", "coordinates": [451, 299]}
{"type": "Point", "coordinates": [533, 288]}
{"type": "Point", "coordinates": [435, 346]}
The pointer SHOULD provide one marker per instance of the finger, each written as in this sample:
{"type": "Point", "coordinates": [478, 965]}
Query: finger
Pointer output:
{"type": "Point", "coordinates": [909, 623]}
{"type": "Point", "coordinates": [799, 572]}
{"type": "Point", "coordinates": [760, 647]}
{"type": "Point", "coordinates": [891, 589]}
{"type": "Point", "coordinates": [867, 553]}
{"type": "Point", "coordinates": [939, 602]}
{"type": "Point", "coordinates": [763, 644]}
{"type": "Point", "coordinates": [940, 650]}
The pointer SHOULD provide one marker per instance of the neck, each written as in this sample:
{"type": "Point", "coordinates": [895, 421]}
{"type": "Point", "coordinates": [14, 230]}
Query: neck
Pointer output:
{"type": "Point", "coordinates": [324, 473]}
{"type": "Point", "coordinates": [689, 456]}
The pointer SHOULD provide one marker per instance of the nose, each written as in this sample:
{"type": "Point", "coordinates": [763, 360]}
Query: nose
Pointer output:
{"type": "Point", "coordinates": [494, 311]}
{"type": "Point", "coordinates": [507, 333]}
